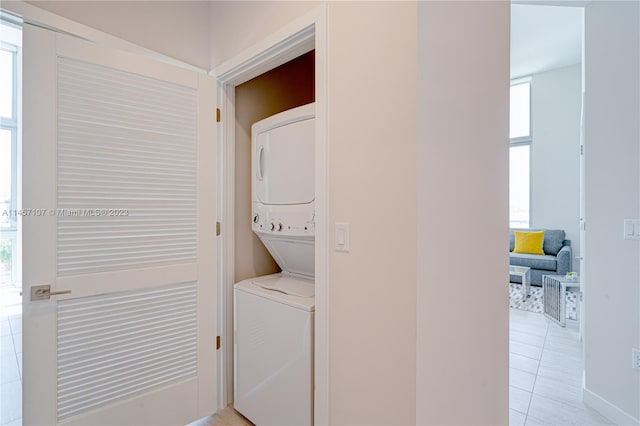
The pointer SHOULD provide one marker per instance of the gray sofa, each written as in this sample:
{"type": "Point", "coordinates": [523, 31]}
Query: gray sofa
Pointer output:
{"type": "Point", "coordinates": [555, 261]}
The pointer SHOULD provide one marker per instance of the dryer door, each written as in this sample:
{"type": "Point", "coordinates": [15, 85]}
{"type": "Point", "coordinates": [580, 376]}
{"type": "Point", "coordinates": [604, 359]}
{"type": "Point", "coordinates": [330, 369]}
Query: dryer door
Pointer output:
{"type": "Point", "coordinates": [284, 164]}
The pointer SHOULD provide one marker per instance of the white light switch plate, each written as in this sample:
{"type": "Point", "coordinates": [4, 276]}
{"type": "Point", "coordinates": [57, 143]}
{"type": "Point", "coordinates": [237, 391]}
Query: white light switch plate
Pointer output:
{"type": "Point", "coordinates": [632, 229]}
{"type": "Point", "coordinates": [342, 237]}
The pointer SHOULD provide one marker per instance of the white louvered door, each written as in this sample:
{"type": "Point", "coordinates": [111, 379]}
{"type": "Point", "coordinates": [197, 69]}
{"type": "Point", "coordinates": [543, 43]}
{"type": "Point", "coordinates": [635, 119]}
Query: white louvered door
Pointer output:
{"type": "Point", "coordinates": [118, 155]}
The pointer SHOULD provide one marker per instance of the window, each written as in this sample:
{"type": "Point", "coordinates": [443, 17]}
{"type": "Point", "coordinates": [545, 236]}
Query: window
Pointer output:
{"type": "Point", "coordinates": [10, 44]}
{"type": "Point", "coordinates": [520, 155]}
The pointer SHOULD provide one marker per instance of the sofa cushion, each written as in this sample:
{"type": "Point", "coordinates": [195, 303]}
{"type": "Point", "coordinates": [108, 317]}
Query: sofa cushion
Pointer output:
{"type": "Point", "coordinates": [533, 261]}
{"type": "Point", "coordinates": [553, 239]}
{"type": "Point", "coordinates": [528, 242]}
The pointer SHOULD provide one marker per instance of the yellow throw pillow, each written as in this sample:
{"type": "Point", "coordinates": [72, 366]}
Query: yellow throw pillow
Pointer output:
{"type": "Point", "coordinates": [529, 242]}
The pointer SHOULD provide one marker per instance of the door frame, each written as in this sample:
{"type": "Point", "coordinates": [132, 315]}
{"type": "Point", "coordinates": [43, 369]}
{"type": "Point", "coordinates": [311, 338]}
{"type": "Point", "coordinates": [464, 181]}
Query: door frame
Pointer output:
{"type": "Point", "coordinates": [298, 37]}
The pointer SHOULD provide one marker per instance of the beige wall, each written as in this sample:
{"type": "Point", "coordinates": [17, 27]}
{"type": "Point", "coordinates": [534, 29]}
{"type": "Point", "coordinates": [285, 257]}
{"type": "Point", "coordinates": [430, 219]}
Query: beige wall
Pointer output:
{"type": "Point", "coordinates": [288, 86]}
{"type": "Point", "coordinates": [237, 25]}
{"type": "Point", "coordinates": [178, 29]}
{"type": "Point", "coordinates": [382, 295]}
{"type": "Point", "coordinates": [372, 144]}
{"type": "Point", "coordinates": [463, 281]}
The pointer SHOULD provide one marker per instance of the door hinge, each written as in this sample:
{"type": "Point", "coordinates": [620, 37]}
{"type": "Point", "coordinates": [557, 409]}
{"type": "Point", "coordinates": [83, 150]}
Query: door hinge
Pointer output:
{"type": "Point", "coordinates": [217, 342]}
{"type": "Point", "coordinates": [581, 149]}
{"type": "Point", "coordinates": [217, 229]}
{"type": "Point", "coordinates": [217, 115]}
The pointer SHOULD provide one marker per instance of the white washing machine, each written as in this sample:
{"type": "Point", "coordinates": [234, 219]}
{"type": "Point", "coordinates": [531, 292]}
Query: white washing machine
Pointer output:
{"type": "Point", "coordinates": [274, 350]}
{"type": "Point", "coordinates": [274, 314]}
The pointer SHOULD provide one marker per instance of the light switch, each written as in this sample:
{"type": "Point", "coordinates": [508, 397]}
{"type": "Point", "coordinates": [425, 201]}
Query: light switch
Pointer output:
{"type": "Point", "coordinates": [342, 237]}
{"type": "Point", "coordinates": [632, 229]}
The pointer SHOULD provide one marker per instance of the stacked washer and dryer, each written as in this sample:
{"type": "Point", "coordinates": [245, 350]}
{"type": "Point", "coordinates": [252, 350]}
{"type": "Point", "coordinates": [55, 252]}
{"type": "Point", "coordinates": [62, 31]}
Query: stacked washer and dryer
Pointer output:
{"type": "Point", "coordinates": [274, 314]}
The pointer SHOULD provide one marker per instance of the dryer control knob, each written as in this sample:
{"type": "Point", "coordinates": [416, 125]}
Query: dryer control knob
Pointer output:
{"type": "Point", "coordinates": [256, 218]}
{"type": "Point", "coordinates": [272, 226]}
{"type": "Point", "coordinates": [279, 227]}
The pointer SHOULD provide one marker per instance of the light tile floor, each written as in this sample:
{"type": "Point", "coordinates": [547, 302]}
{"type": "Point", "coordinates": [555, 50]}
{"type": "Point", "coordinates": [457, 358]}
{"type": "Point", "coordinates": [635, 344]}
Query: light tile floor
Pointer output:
{"type": "Point", "coordinates": [545, 368]}
{"type": "Point", "coordinates": [10, 356]}
{"type": "Point", "coordinates": [227, 417]}
{"type": "Point", "coordinates": [545, 373]}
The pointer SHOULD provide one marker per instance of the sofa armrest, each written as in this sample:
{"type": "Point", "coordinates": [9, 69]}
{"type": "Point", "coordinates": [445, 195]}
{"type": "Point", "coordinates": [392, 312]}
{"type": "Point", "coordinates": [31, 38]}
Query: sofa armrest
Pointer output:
{"type": "Point", "coordinates": [563, 260]}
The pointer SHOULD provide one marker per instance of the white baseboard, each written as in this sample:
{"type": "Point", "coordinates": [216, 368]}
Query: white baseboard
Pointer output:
{"type": "Point", "coordinates": [607, 409]}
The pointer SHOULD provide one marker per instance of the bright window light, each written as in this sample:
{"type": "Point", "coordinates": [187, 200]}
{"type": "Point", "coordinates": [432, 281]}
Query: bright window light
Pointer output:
{"type": "Point", "coordinates": [6, 83]}
{"type": "Point", "coordinates": [520, 155]}
{"type": "Point", "coordinates": [520, 111]}
{"type": "Point", "coordinates": [10, 48]}
{"type": "Point", "coordinates": [6, 177]}
{"type": "Point", "coordinates": [519, 186]}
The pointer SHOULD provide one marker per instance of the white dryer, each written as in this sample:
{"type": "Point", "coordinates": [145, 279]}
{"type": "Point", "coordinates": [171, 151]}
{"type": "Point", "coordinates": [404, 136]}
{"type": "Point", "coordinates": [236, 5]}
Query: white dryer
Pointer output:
{"type": "Point", "coordinates": [274, 314]}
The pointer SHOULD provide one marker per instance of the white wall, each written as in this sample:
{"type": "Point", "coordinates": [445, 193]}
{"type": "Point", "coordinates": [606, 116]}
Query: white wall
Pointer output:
{"type": "Point", "coordinates": [555, 154]}
{"type": "Point", "coordinates": [612, 161]}
{"type": "Point", "coordinates": [178, 29]}
{"type": "Point", "coordinates": [463, 237]}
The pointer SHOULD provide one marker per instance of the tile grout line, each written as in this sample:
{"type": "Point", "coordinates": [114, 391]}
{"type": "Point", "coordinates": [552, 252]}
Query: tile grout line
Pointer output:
{"type": "Point", "coordinates": [15, 349]}
{"type": "Point", "coordinates": [535, 379]}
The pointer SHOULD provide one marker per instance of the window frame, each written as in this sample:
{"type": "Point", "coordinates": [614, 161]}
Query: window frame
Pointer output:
{"type": "Point", "coordinates": [12, 124]}
{"type": "Point", "coordinates": [525, 140]}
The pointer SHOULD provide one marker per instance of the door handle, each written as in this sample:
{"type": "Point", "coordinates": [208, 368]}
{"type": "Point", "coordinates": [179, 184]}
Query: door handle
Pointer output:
{"type": "Point", "coordinates": [260, 170]}
{"type": "Point", "coordinates": [43, 292]}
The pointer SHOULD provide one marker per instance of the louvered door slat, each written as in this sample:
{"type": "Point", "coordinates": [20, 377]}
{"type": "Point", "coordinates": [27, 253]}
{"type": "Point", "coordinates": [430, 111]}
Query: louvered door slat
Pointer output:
{"type": "Point", "coordinates": [113, 346]}
{"type": "Point", "coordinates": [135, 154]}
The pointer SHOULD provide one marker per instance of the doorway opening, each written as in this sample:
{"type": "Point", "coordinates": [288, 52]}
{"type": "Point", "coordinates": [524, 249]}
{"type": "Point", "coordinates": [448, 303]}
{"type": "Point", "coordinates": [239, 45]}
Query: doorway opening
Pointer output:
{"type": "Point", "coordinates": [286, 70]}
{"type": "Point", "coordinates": [285, 87]}
{"type": "Point", "coordinates": [546, 350]}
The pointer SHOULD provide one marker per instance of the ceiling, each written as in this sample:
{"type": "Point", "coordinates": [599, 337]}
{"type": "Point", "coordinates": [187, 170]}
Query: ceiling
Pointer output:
{"type": "Point", "coordinates": [544, 38]}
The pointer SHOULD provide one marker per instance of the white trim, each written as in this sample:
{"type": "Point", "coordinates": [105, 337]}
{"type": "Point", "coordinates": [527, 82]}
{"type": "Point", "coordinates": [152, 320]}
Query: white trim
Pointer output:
{"type": "Point", "coordinates": [607, 409]}
{"type": "Point", "coordinates": [226, 212]}
{"type": "Point", "coordinates": [289, 42]}
{"type": "Point", "coordinates": [33, 15]}
{"type": "Point", "coordinates": [520, 80]}
{"type": "Point", "coordinates": [294, 39]}
{"type": "Point", "coordinates": [321, 355]}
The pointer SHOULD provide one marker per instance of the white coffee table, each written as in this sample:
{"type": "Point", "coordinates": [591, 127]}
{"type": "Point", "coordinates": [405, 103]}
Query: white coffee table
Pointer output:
{"type": "Point", "coordinates": [523, 272]}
